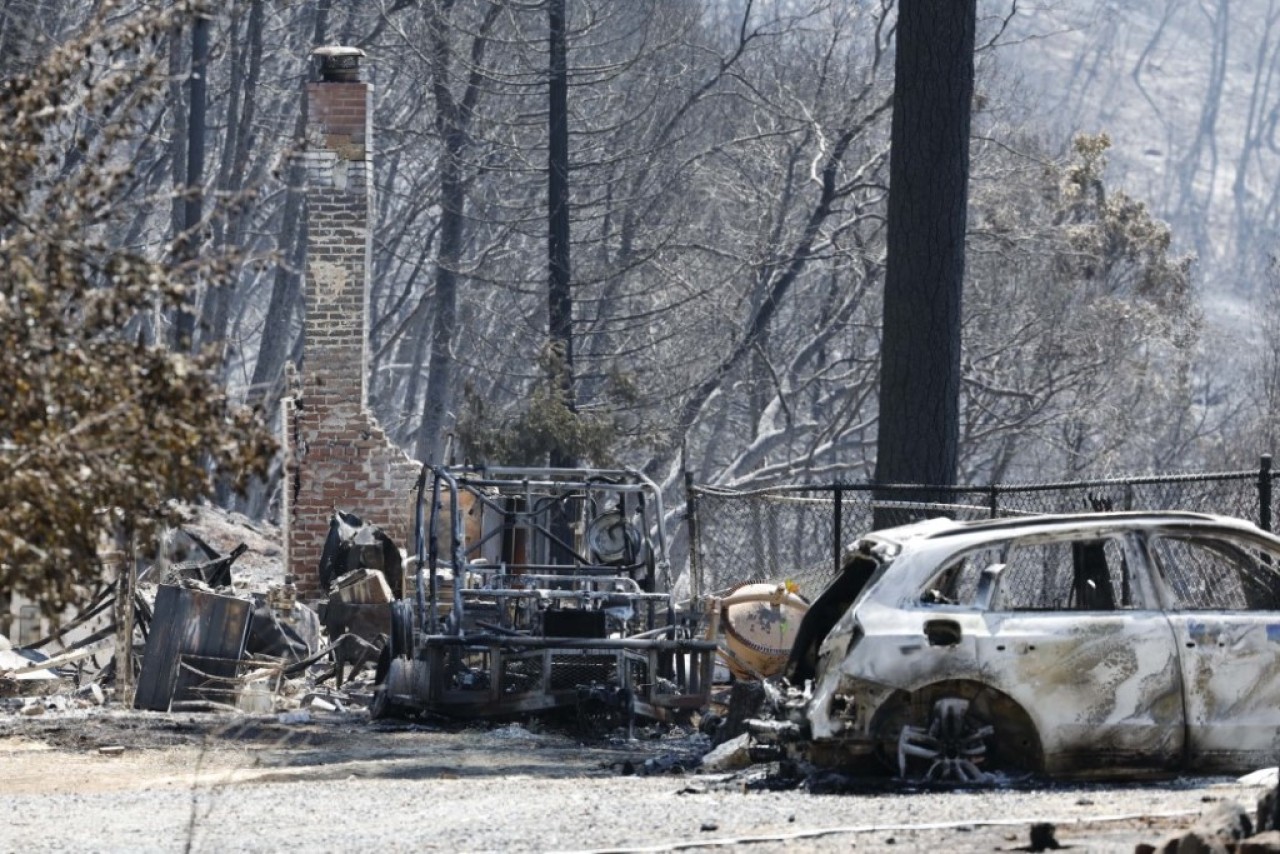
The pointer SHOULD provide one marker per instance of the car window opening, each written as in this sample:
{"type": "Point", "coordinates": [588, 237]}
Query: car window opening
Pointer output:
{"type": "Point", "coordinates": [1091, 582]}
{"type": "Point", "coordinates": [1216, 574]}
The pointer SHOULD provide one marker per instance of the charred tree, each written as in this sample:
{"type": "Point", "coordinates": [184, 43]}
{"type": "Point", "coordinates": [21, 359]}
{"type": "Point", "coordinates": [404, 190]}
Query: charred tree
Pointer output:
{"type": "Point", "coordinates": [453, 124]}
{"type": "Point", "coordinates": [281, 336]}
{"type": "Point", "coordinates": [559, 293]}
{"type": "Point", "coordinates": [236, 174]}
{"type": "Point", "coordinates": [928, 194]}
{"type": "Point", "coordinates": [188, 240]}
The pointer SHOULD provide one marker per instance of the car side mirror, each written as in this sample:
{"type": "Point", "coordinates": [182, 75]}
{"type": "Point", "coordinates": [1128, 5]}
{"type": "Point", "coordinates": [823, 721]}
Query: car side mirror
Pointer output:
{"type": "Point", "coordinates": [987, 586]}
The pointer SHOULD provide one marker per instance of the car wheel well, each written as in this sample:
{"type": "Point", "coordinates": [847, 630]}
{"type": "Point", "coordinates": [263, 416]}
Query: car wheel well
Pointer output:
{"type": "Point", "coordinates": [1014, 744]}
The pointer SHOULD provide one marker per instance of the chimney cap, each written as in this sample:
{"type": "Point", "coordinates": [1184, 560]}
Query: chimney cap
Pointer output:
{"type": "Point", "coordinates": [339, 64]}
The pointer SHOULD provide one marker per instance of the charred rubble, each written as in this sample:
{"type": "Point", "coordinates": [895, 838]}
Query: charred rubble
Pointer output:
{"type": "Point", "coordinates": [561, 615]}
{"type": "Point", "coordinates": [525, 593]}
{"type": "Point", "coordinates": [206, 637]}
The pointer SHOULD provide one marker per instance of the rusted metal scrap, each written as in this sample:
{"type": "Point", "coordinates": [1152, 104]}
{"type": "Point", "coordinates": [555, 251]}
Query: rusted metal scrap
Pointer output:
{"type": "Point", "coordinates": [201, 648]}
{"type": "Point", "coordinates": [358, 619]}
{"type": "Point", "coordinates": [353, 544]}
{"type": "Point", "coordinates": [194, 649]}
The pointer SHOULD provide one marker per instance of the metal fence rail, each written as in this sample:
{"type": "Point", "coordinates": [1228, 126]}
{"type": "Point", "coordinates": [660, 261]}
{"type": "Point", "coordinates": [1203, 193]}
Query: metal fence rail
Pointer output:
{"type": "Point", "coordinates": [797, 533]}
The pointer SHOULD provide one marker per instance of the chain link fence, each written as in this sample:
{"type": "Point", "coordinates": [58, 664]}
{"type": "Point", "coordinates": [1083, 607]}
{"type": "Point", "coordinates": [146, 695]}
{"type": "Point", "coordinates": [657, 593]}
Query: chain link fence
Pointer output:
{"type": "Point", "coordinates": [797, 533]}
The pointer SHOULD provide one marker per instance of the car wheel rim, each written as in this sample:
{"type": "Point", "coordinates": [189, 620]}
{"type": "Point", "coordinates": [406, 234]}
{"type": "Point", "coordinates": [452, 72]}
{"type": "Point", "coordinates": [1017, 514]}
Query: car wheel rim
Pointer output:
{"type": "Point", "coordinates": [950, 748]}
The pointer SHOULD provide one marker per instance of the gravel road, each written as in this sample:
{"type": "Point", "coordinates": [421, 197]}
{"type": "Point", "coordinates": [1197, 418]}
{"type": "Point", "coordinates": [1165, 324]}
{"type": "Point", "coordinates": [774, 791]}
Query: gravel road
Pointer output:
{"type": "Point", "coordinates": [103, 780]}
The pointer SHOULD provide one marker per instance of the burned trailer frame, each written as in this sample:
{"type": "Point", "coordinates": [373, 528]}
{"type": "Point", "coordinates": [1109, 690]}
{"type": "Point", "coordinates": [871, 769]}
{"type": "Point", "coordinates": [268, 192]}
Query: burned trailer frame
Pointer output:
{"type": "Point", "coordinates": [540, 589]}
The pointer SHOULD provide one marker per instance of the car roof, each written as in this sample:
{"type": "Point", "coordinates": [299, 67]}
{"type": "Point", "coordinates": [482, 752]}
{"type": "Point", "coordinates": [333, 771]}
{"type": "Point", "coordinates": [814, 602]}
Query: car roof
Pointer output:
{"type": "Point", "coordinates": [916, 549]}
{"type": "Point", "coordinates": [943, 528]}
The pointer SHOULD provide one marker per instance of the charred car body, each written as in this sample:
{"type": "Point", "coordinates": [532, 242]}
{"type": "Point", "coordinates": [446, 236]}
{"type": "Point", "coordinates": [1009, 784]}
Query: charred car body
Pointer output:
{"type": "Point", "coordinates": [541, 589]}
{"type": "Point", "coordinates": [1067, 645]}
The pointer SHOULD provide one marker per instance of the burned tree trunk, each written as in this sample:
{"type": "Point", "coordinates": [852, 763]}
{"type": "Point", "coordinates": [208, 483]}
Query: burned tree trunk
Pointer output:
{"type": "Point", "coordinates": [928, 193]}
{"type": "Point", "coordinates": [559, 295]}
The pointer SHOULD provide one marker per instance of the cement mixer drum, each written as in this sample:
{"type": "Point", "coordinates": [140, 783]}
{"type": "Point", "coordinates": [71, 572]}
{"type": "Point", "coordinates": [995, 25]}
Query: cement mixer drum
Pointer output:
{"type": "Point", "coordinates": [760, 623]}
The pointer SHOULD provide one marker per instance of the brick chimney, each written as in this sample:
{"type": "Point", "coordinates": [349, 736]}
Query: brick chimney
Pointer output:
{"type": "Point", "coordinates": [339, 457]}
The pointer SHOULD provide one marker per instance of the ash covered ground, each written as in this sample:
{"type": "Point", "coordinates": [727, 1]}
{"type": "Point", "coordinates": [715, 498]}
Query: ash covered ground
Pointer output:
{"type": "Point", "coordinates": [103, 779]}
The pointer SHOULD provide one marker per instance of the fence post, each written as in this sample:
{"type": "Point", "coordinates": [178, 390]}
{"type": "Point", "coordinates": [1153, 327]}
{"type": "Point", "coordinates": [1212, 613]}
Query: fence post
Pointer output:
{"type": "Point", "coordinates": [1264, 492]}
{"type": "Point", "coordinates": [993, 500]}
{"type": "Point", "coordinates": [691, 519]}
{"type": "Point", "coordinates": [126, 589]}
{"type": "Point", "coordinates": [837, 527]}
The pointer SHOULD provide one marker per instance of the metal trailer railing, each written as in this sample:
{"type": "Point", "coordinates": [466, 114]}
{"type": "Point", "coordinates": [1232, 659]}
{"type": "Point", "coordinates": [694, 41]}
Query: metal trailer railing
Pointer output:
{"type": "Point", "coordinates": [545, 598]}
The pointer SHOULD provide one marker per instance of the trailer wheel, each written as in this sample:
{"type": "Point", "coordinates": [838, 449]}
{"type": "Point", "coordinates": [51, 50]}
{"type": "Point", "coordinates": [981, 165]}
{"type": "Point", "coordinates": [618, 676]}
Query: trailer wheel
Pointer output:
{"type": "Point", "coordinates": [400, 641]}
{"type": "Point", "coordinates": [395, 697]}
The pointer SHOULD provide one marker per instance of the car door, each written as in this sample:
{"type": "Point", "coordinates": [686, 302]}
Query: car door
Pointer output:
{"type": "Point", "coordinates": [1221, 593]}
{"type": "Point", "coordinates": [1077, 638]}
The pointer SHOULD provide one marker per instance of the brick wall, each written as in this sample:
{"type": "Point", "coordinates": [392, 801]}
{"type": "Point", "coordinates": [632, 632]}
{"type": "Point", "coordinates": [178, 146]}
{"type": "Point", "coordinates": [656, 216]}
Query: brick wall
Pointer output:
{"type": "Point", "coordinates": [340, 458]}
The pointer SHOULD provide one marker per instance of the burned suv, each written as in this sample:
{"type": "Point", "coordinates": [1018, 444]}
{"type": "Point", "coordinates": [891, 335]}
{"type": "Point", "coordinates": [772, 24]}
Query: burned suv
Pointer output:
{"type": "Point", "coordinates": [1074, 645]}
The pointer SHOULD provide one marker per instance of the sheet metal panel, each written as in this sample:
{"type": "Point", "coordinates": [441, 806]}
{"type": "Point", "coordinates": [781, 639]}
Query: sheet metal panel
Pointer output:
{"type": "Point", "coordinates": [191, 623]}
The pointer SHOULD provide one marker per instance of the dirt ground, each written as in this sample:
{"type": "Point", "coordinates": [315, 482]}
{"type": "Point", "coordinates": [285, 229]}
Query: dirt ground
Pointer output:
{"type": "Point", "coordinates": [103, 780]}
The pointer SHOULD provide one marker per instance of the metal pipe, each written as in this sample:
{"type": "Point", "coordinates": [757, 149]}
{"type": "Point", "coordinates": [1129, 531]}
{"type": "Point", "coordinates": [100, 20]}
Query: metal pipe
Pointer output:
{"type": "Point", "coordinates": [837, 529]}
{"type": "Point", "coordinates": [1264, 492]}
{"type": "Point", "coordinates": [603, 644]}
{"type": "Point", "coordinates": [459, 565]}
{"type": "Point", "coordinates": [629, 583]}
{"type": "Point", "coordinates": [691, 519]}
{"type": "Point", "coordinates": [434, 616]}
{"type": "Point", "coordinates": [420, 549]}
{"type": "Point", "coordinates": [585, 595]}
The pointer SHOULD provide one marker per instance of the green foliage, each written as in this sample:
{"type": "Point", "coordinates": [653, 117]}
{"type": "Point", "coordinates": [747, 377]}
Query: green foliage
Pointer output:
{"type": "Point", "coordinates": [546, 424]}
{"type": "Point", "coordinates": [100, 430]}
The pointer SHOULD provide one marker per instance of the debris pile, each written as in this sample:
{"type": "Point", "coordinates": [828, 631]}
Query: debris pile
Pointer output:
{"type": "Point", "coordinates": [217, 630]}
{"type": "Point", "coordinates": [555, 609]}
{"type": "Point", "coordinates": [528, 592]}
{"type": "Point", "coordinates": [1226, 827]}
